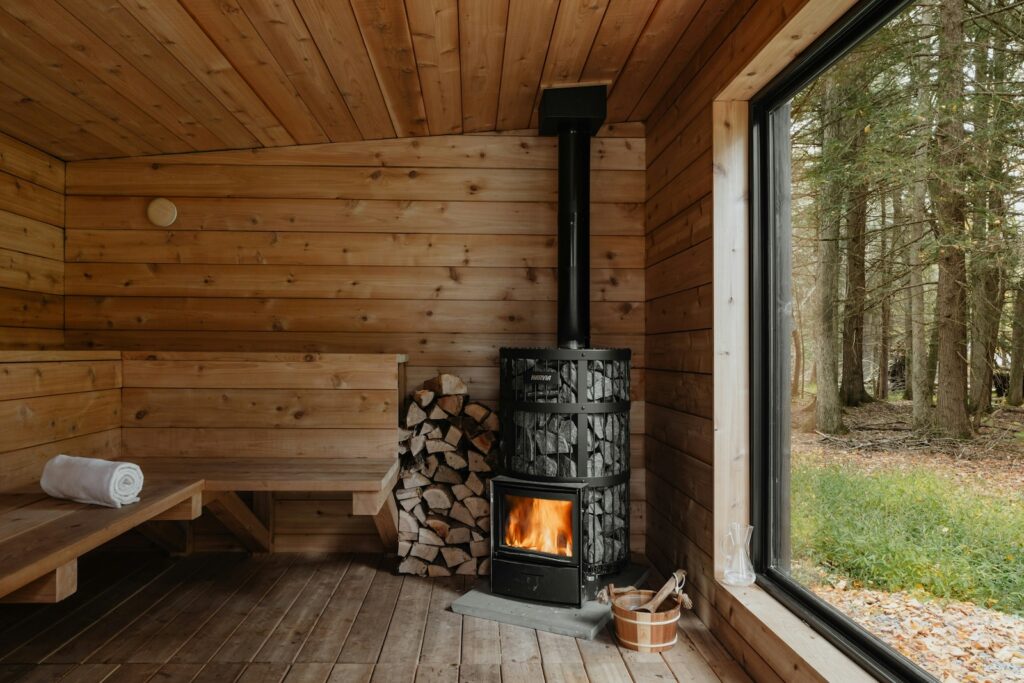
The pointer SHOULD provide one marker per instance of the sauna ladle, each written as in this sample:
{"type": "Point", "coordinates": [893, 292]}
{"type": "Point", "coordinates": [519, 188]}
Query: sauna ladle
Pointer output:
{"type": "Point", "coordinates": [672, 585]}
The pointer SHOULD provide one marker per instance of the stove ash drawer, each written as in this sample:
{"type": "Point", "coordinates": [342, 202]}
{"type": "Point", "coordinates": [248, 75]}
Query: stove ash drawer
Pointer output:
{"type": "Point", "coordinates": [537, 582]}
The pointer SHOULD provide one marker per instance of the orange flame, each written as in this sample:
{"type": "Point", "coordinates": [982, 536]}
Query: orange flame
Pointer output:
{"type": "Point", "coordinates": [539, 524]}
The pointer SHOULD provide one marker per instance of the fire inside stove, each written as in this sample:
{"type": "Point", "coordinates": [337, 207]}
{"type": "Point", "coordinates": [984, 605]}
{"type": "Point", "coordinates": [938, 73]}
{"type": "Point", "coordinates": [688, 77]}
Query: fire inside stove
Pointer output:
{"type": "Point", "coordinates": [539, 525]}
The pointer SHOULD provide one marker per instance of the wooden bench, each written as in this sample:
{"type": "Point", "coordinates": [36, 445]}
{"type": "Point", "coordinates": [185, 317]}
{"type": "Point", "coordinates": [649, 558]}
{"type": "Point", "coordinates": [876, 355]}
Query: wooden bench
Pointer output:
{"type": "Point", "coordinates": [41, 538]}
{"type": "Point", "coordinates": [370, 484]}
{"type": "Point", "coordinates": [203, 427]}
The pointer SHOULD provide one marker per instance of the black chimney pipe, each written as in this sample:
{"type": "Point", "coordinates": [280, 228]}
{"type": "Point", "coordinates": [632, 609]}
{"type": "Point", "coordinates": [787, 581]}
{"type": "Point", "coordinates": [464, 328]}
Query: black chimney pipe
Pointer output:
{"type": "Point", "coordinates": [574, 114]}
{"type": "Point", "coordinates": [573, 238]}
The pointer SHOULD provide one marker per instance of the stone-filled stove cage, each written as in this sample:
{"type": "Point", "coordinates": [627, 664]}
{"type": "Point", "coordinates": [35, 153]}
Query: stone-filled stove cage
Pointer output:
{"type": "Point", "coordinates": [566, 419]}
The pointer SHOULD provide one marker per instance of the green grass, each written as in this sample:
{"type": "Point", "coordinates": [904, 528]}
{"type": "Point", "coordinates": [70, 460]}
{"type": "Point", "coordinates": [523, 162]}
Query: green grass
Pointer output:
{"type": "Point", "coordinates": [912, 531]}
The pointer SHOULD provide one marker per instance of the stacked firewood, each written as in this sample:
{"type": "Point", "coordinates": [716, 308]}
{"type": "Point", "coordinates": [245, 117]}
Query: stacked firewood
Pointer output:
{"type": "Point", "coordinates": [448, 453]}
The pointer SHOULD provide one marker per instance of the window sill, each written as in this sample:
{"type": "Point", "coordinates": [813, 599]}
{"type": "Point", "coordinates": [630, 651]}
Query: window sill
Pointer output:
{"type": "Point", "coordinates": [792, 648]}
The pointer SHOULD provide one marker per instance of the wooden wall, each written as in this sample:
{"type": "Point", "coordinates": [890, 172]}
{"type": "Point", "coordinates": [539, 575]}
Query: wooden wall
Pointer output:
{"type": "Point", "coordinates": [442, 248]}
{"type": "Point", "coordinates": [56, 402]}
{"type": "Point", "coordinates": [31, 247]}
{"type": "Point", "coordinates": [679, 360]}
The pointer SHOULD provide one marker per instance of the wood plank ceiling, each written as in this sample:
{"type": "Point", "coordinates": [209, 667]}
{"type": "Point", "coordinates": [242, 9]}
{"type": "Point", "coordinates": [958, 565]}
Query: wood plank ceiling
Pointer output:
{"type": "Point", "coordinates": [87, 79]}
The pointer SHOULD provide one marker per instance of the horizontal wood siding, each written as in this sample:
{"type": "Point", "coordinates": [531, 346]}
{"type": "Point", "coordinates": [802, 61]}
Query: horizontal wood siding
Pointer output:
{"type": "Point", "coordinates": [31, 247]}
{"type": "Point", "coordinates": [56, 402]}
{"type": "Point", "coordinates": [678, 291]}
{"type": "Point", "coordinates": [442, 248]}
{"type": "Point", "coordinates": [277, 405]}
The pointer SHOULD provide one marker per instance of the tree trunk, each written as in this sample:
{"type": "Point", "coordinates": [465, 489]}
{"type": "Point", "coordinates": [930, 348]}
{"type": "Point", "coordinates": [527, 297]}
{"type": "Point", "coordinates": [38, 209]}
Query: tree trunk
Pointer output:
{"type": "Point", "coordinates": [795, 390]}
{"type": "Point", "coordinates": [951, 407]}
{"type": "Point", "coordinates": [1015, 393]}
{"type": "Point", "coordinates": [920, 366]}
{"type": "Point", "coordinates": [918, 370]}
{"type": "Point", "coordinates": [908, 353]}
{"type": "Point", "coordinates": [885, 314]}
{"type": "Point", "coordinates": [950, 203]}
{"type": "Point", "coordinates": [988, 287]}
{"type": "Point", "coordinates": [933, 350]}
{"type": "Point", "coordinates": [828, 408]}
{"type": "Point", "coordinates": [987, 306]}
{"type": "Point", "coordinates": [905, 239]}
{"type": "Point", "coordinates": [852, 389]}
{"type": "Point", "coordinates": [882, 384]}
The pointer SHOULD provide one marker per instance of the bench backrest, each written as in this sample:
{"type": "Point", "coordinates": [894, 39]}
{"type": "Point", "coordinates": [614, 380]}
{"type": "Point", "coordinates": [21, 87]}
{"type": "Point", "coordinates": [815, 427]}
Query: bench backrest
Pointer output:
{"type": "Point", "coordinates": [56, 402]}
{"type": "Point", "coordinates": [253, 405]}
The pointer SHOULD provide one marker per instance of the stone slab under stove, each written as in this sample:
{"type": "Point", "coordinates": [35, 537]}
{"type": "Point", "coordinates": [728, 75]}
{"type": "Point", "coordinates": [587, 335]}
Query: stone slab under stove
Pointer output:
{"type": "Point", "coordinates": [578, 622]}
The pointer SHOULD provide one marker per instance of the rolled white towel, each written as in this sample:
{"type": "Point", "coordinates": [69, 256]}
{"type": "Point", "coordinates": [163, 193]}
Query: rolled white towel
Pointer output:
{"type": "Point", "coordinates": [89, 480]}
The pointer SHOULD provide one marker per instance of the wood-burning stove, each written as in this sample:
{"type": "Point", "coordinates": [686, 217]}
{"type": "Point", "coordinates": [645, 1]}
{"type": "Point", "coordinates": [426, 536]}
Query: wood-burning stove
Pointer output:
{"type": "Point", "coordinates": [565, 410]}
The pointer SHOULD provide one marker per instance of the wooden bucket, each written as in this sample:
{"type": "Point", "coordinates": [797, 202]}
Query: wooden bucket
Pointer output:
{"type": "Point", "coordinates": [643, 631]}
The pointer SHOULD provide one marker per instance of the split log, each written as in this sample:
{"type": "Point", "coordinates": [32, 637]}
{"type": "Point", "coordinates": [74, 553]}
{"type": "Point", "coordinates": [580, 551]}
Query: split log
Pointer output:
{"type": "Point", "coordinates": [460, 512]}
{"type": "Point", "coordinates": [407, 522]}
{"type": "Point", "coordinates": [439, 526]}
{"type": "Point", "coordinates": [413, 565]}
{"type": "Point", "coordinates": [446, 475]}
{"type": "Point", "coordinates": [451, 404]}
{"type": "Point", "coordinates": [456, 460]}
{"type": "Point", "coordinates": [468, 567]}
{"type": "Point", "coordinates": [414, 480]}
{"type": "Point", "coordinates": [477, 412]}
{"type": "Point", "coordinates": [424, 552]}
{"type": "Point", "coordinates": [429, 537]}
{"type": "Point", "coordinates": [437, 498]}
{"type": "Point", "coordinates": [424, 397]}
{"type": "Point", "coordinates": [483, 441]}
{"type": "Point", "coordinates": [430, 466]}
{"type": "Point", "coordinates": [478, 507]}
{"type": "Point", "coordinates": [438, 446]}
{"type": "Point", "coordinates": [414, 415]}
{"type": "Point", "coordinates": [478, 463]}
{"type": "Point", "coordinates": [454, 556]}
{"type": "Point", "coordinates": [457, 535]}
{"type": "Point", "coordinates": [454, 436]}
{"type": "Point", "coordinates": [446, 385]}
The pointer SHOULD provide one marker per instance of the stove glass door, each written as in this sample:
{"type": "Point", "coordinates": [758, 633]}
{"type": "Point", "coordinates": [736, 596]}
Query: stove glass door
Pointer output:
{"type": "Point", "coordinates": [537, 524]}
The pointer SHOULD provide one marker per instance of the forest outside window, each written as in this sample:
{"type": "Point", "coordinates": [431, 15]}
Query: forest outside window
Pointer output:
{"type": "Point", "coordinates": [887, 345]}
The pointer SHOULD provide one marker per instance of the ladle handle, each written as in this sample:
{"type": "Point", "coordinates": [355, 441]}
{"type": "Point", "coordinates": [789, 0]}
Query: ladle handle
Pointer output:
{"type": "Point", "coordinates": [671, 586]}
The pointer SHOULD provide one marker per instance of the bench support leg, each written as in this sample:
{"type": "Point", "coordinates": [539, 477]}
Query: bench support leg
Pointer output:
{"type": "Point", "coordinates": [49, 588]}
{"type": "Point", "coordinates": [386, 521]}
{"type": "Point", "coordinates": [173, 537]}
{"type": "Point", "coordinates": [380, 504]}
{"type": "Point", "coordinates": [263, 508]}
{"type": "Point", "coordinates": [240, 521]}
{"type": "Point", "coordinates": [184, 511]}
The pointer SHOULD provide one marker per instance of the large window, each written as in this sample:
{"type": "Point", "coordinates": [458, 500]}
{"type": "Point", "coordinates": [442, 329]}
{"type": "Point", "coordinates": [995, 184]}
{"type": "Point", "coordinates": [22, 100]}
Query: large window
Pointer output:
{"type": "Point", "coordinates": [888, 338]}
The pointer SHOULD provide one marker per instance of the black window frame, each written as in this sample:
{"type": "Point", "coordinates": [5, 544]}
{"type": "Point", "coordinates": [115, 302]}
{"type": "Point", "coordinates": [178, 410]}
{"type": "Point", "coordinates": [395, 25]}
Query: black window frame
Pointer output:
{"type": "Point", "coordinates": [769, 348]}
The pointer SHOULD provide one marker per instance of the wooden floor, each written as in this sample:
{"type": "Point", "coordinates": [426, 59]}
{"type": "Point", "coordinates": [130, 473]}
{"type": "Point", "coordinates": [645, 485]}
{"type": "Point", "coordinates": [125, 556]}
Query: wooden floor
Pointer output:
{"type": "Point", "coordinates": [299, 619]}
